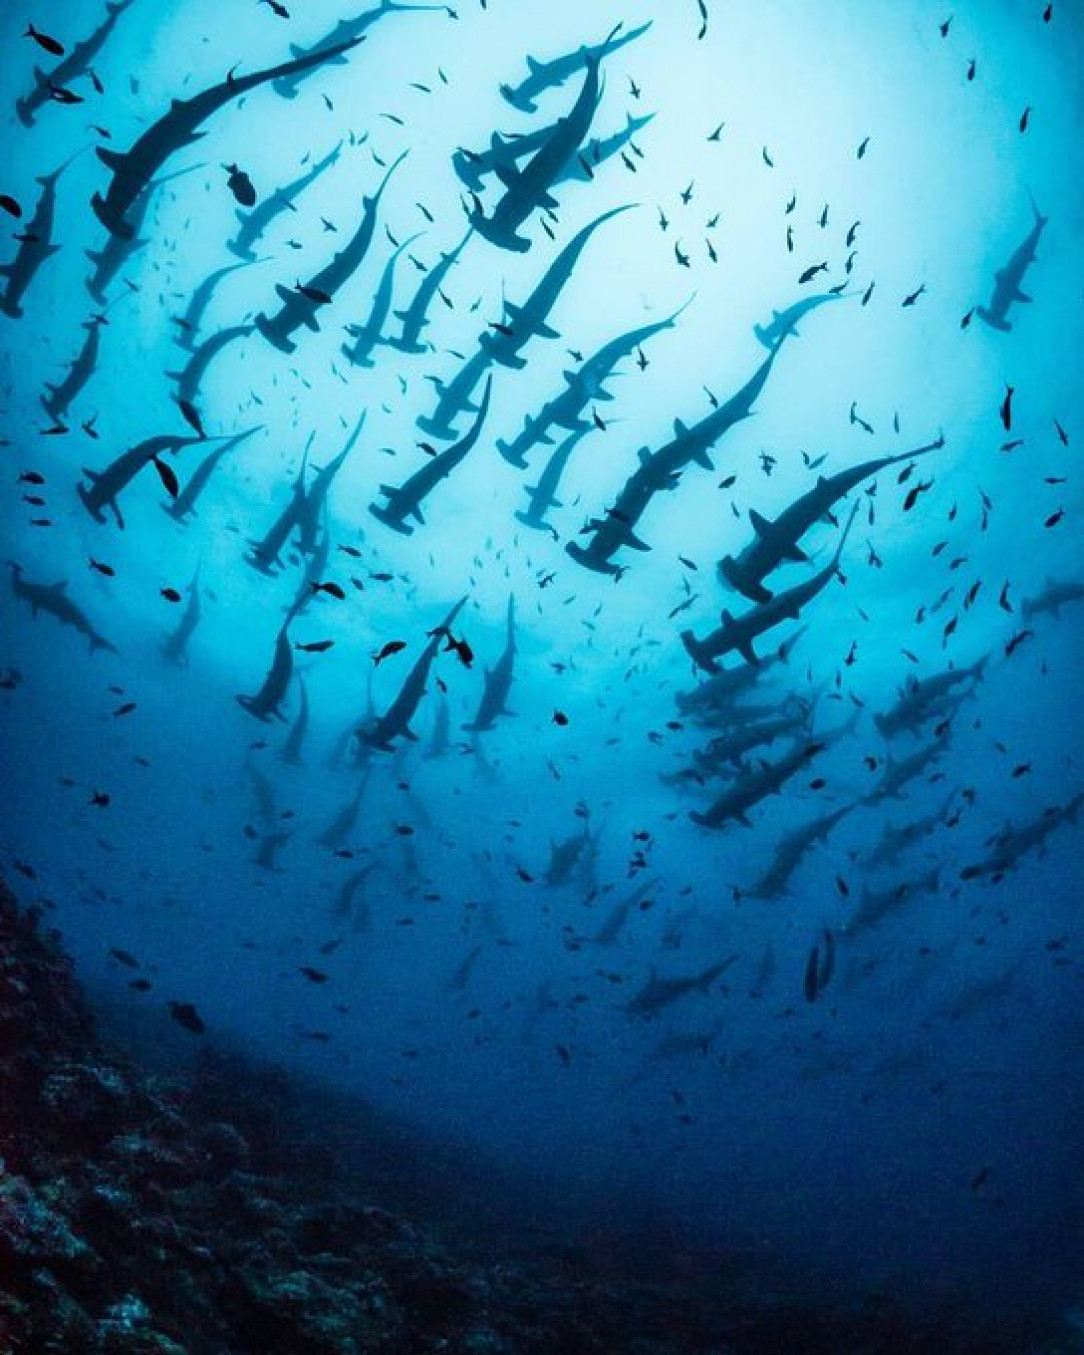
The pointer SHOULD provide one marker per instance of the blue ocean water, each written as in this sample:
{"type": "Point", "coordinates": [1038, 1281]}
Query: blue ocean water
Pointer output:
{"type": "Point", "coordinates": [866, 1068]}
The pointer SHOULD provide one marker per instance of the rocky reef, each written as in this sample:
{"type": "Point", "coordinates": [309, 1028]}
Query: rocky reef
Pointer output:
{"type": "Point", "coordinates": [136, 1218]}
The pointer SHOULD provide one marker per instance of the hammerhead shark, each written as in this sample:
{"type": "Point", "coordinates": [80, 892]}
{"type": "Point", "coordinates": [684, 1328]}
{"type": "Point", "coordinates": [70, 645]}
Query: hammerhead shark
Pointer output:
{"type": "Point", "coordinates": [415, 317]}
{"type": "Point", "coordinates": [72, 67]}
{"type": "Point", "coordinates": [778, 541]}
{"type": "Point", "coordinates": [60, 396]}
{"type": "Point", "coordinates": [53, 599]}
{"type": "Point", "coordinates": [35, 245]}
{"type": "Point", "coordinates": [175, 645]}
{"type": "Point", "coordinates": [268, 700]}
{"type": "Point", "coordinates": [544, 75]}
{"type": "Point", "coordinates": [301, 304]}
{"type": "Point", "coordinates": [529, 189]}
{"type": "Point", "coordinates": [255, 223]}
{"type": "Point", "coordinates": [582, 387]}
{"type": "Point", "coordinates": [543, 496]}
{"type": "Point", "coordinates": [367, 336]}
{"type": "Point", "coordinates": [395, 722]}
{"type": "Point", "coordinates": [348, 32]}
{"type": "Point", "coordinates": [784, 324]}
{"type": "Point", "coordinates": [1008, 281]}
{"type": "Point", "coordinates": [755, 785]}
{"type": "Point", "coordinates": [185, 503]}
{"type": "Point", "coordinates": [106, 484]}
{"type": "Point", "coordinates": [405, 500]}
{"type": "Point", "coordinates": [738, 633]}
{"type": "Point", "coordinates": [134, 169]}
{"type": "Point", "coordinates": [660, 471]}
{"type": "Point", "coordinates": [498, 681]}
{"type": "Point", "coordinates": [117, 250]}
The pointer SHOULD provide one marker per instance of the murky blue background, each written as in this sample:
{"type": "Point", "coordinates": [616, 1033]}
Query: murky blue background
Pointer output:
{"type": "Point", "coordinates": [848, 1136]}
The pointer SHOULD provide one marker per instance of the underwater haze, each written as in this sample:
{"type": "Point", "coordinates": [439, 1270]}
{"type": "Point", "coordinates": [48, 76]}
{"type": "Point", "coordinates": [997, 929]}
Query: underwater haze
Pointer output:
{"type": "Point", "coordinates": [545, 590]}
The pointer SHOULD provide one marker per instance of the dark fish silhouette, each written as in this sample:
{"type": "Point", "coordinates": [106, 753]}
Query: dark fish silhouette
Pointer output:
{"type": "Point", "coordinates": [240, 185]}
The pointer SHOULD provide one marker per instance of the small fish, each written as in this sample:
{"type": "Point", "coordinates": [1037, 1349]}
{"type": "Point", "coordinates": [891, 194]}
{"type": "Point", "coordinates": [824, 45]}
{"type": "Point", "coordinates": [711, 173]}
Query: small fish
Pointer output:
{"type": "Point", "coordinates": [126, 709]}
{"type": "Point", "coordinates": [862, 149]}
{"type": "Point", "coordinates": [1024, 118]}
{"type": "Point", "coordinates": [392, 647]}
{"type": "Point", "coordinates": [60, 95]}
{"type": "Point", "coordinates": [124, 957]}
{"type": "Point", "coordinates": [811, 272]}
{"type": "Point", "coordinates": [1006, 409]}
{"type": "Point", "coordinates": [314, 646]}
{"type": "Point", "coordinates": [913, 297]}
{"type": "Point", "coordinates": [313, 294]}
{"type": "Point", "coordinates": [167, 476]}
{"type": "Point", "coordinates": [185, 1014]}
{"type": "Point", "coordinates": [101, 568]}
{"type": "Point", "coordinates": [313, 975]}
{"type": "Point", "coordinates": [44, 41]}
{"type": "Point", "coordinates": [10, 205]}
{"type": "Point", "coordinates": [332, 589]}
{"type": "Point", "coordinates": [170, 594]}
{"type": "Point", "coordinates": [560, 718]}
{"type": "Point", "coordinates": [240, 185]}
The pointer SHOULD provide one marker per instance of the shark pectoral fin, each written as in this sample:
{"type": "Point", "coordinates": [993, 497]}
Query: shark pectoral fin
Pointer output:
{"type": "Point", "coordinates": [634, 542]}
{"type": "Point", "coordinates": [507, 173]}
{"type": "Point", "coordinates": [548, 201]}
{"type": "Point", "coordinates": [701, 458]}
{"type": "Point", "coordinates": [794, 552]}
{"type": "Point", "coordinates": [1022, 296]}
{"type": "Point", "coordinates": [92, 475]}
{"type": "Point", "coordinates": [546, 332]}
{"type": "Point", "coordinates": [111, 159]}
{"type": "Point", "coordinates": [416, 514]}
{"type": "Point", "coordinates": [744, 820]}
{"type": "Point", "coordinates": [311, 322]}
{"type": "Point", "coordinates": [285, 294]}
{"type": "Point", "coordinates": [408, 733]}
{"type": "Point", "coordinates": [761, 525]}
